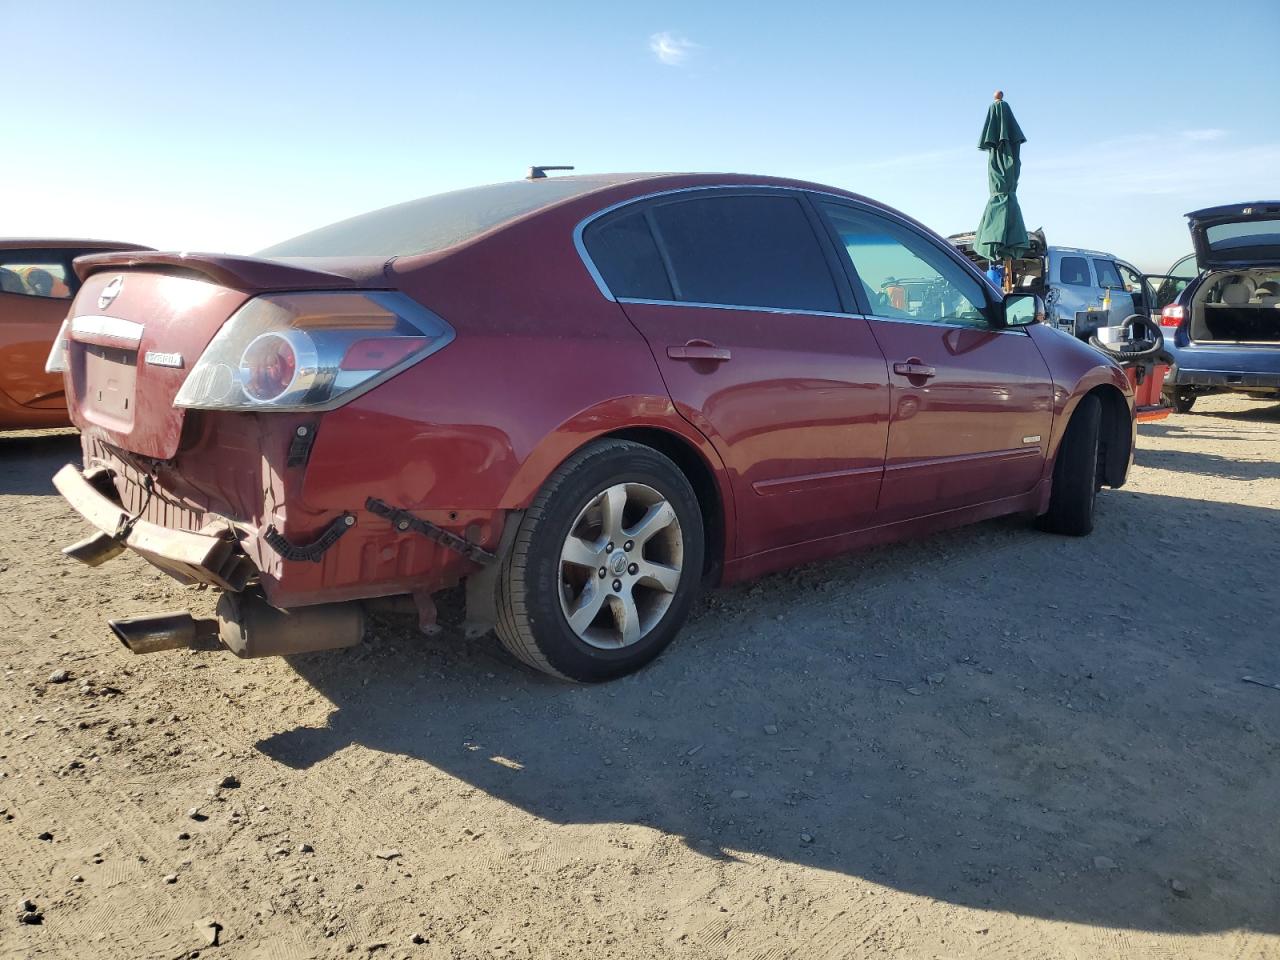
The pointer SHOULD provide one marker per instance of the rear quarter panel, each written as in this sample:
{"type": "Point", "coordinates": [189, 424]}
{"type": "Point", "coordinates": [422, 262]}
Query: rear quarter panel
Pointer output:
{"type": "Point", "coordinates": [542, 364]}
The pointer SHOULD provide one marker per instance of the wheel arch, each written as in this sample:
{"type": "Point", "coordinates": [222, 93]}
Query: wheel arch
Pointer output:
{"type": "Point", "coordinates": [1116, 434]}
{"type": "Point", "coordinates": [655, 424]}
{"type": "Point", "coordinates": [701, 476]}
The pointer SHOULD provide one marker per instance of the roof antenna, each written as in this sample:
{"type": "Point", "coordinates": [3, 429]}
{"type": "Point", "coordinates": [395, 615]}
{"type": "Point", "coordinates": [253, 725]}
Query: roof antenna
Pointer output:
{"type": "Point", "coordinates": [540, 173]}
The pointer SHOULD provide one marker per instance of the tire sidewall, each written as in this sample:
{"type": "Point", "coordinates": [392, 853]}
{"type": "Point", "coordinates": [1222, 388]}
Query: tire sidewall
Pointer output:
{"type": "Point", "coordinates": [563, 648]}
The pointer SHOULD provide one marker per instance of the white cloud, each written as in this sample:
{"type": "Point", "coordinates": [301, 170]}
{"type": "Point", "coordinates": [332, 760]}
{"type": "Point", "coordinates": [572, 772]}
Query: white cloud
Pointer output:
{"type": "Point", "coordinates": [671, 49]}
{"type": "Point", "coordinates": [1210, 133]}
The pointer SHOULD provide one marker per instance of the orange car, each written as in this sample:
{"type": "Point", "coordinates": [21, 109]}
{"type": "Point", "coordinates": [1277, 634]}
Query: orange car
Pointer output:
{"type": "Point", "coordinates": [36, 287]}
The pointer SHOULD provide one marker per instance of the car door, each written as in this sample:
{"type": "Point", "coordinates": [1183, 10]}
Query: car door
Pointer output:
{"type": "Point", "coordinates": [741, 302]}
{"type": "Point", "coordinates": [1113, 291]}
{"type": "Point", "coordinates": [1138, 286]}
{"type": "Point", "coordinates": [971, 402]}
{"type": "Point", "coordinates": [1074, 297]}
{"type": "Point", "coordinates": [35, 293]}
{"type": "Point", "coordinates": [1168, 286]}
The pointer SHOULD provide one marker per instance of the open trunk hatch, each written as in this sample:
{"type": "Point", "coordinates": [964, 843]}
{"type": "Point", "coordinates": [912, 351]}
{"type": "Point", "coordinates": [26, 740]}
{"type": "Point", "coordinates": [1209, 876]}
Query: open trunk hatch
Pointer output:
{"type": "Point", "coordinates": [1237, 236]}
{"type": "Point", "coordinates": [141, 320]}
{"type": "Point", "coordinates": [1238, 306]}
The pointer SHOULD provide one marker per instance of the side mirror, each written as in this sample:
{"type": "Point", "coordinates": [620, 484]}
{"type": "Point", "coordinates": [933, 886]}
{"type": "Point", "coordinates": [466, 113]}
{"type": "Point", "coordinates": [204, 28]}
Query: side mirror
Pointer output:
{"type": "Point", "coordinates": [1023, 309]}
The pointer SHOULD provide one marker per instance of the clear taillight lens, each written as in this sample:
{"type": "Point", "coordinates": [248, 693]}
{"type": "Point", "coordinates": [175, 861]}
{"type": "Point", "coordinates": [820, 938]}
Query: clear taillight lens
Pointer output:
{"type": "Point", "coordinates": [1172, 315]}
{"type": "Point", "coordinates": [310, 351]}
{"type": "Point", "coordinates": [57, 362]}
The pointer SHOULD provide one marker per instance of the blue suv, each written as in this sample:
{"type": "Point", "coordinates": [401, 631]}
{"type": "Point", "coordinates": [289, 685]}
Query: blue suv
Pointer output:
{"type": "Point", "coordinates": [1223, 330]}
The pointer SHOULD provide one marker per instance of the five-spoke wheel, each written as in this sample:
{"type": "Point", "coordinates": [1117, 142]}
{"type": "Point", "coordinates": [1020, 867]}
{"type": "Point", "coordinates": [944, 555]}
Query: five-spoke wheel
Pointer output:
{"type": "Point", "coordinates": [620, 565]}
{"type": "Point", "coordinates": [605, 565]}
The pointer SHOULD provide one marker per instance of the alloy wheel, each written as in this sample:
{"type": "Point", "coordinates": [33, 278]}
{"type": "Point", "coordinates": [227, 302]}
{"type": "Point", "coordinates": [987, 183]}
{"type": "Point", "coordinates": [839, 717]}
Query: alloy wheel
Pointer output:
{"type": "Point", "coordinates": [620, 565]}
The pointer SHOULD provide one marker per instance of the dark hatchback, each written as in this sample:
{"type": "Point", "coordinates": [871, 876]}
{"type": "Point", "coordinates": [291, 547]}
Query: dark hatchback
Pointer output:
{"type": "Point", "coordinates": [1223, 330]}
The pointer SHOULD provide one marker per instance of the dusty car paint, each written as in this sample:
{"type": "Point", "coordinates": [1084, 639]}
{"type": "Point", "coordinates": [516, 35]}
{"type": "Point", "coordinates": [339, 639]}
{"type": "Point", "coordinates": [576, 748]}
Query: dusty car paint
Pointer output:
{"type": "Point", "coordinates": [542, 364]}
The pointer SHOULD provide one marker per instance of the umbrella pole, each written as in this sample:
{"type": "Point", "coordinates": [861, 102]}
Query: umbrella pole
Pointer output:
{"type": "Point", "coordinates": [1008, 275]}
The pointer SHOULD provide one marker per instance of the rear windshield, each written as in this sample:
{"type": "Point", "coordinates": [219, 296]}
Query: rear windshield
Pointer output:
{"type": "Point", "coordinates": [1246, 238]}
{"type": "Point", "coordinates": [432, 223]}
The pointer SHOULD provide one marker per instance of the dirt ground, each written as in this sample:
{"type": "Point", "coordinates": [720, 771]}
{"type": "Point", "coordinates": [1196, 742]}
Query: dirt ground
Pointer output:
{"type": "Point", "coordinates": [991, 743]}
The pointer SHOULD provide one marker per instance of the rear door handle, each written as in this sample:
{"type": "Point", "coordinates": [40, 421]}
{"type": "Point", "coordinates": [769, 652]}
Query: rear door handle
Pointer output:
{"type": "Point", "coordinates": [699, 350]}
{"type": "Point", "coordinates": [914, 368]}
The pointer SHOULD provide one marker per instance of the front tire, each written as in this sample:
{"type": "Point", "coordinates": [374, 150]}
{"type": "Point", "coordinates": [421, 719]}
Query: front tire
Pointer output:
{"type": "Point", "coordinates": [605, 565]}
{"type": "Point", "coordinates": [1075, 473]}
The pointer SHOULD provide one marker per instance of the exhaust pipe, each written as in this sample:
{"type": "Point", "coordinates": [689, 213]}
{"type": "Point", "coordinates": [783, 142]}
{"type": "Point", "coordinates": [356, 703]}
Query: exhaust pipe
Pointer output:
{"type": "Point", "coordinates": [165, 631]}
{"type": "Point", "coordinates": [248, 626]}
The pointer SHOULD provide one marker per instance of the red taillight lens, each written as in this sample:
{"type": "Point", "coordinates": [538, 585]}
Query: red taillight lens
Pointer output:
{"type": "Point", "coordinates": [381, 352]}
{"type": "Point", "coordinates": [311, 350]}
{"type": "Point", "coordinates": [1172, 315]}
{"type": "Point", "coordinates": [269, 365]}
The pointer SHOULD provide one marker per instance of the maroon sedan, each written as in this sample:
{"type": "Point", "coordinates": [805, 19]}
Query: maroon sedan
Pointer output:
{"type": "Point", "coordinates": [585, 397]}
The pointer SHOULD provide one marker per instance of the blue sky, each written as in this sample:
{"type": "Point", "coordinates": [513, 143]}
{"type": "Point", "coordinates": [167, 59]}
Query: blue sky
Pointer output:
{"type": "Point", "coordinates": [228, 126]}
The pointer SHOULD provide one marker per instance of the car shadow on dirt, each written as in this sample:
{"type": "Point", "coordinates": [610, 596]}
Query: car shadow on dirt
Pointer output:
{"type": "Point", "coordinates": [992, 717]}
{"type": "Point", "coordinates": [31, 459]}
{"type": "Point", "coordinates": [1261, 412]}
{"type": "Point", "coordinates": [1207, 464]}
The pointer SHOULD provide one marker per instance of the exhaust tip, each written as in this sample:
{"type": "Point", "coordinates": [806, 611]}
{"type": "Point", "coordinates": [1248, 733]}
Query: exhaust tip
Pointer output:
{"type": "Point", "coordinates": [164, 631]}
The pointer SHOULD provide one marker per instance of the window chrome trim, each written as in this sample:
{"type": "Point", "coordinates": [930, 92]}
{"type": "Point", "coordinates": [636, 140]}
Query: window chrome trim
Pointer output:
{"type": "Point", "coordinates": [117, 328]}
{"type": "Point", "coordinates": [1016, 331]}
{"type": "Point", "coordinates": [736, 306]}
{"type": "Point", "coordinates": [965, 262]}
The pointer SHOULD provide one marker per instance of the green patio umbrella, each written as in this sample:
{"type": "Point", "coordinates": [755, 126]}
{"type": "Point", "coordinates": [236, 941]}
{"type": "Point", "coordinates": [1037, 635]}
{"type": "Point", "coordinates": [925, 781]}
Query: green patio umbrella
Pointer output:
{"type": "Point", "coordinates": [1001, 234]}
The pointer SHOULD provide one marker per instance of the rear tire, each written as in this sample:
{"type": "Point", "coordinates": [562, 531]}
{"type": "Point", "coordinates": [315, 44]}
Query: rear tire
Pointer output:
{"type": "Point", "coordinates": [1076, 477]}
{"type": "Point", "coordinates": [615, 506]}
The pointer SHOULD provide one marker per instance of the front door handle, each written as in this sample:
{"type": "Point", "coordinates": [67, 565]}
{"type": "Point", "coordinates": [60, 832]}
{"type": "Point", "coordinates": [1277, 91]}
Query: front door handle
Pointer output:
{"type": "Point", "coordinates": [914, 368]}
{"type": "Point", "coordinates": [699, 350]}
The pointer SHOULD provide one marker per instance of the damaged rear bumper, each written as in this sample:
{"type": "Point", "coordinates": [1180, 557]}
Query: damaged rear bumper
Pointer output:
{"type": "Point", "coordinates": [279, 597]}
{"type": "Point", "coordinates": [211, 556]}
{"type": "Point", "coordinates": [245, 623]}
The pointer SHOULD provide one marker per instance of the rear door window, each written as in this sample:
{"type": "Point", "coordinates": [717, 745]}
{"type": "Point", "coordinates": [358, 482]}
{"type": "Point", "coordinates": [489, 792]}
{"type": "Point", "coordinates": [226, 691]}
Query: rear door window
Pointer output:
{"type": "Point", "coordinates": [626, 255]}
{"type": "Point", "coordinates": [746, 250]}
{"type": "Point", "coordinates": [38, 273]}
{"type": "Point", "coordinates": [1074, 271]}
{"type": "Point", "coordinates": [1108, 276]}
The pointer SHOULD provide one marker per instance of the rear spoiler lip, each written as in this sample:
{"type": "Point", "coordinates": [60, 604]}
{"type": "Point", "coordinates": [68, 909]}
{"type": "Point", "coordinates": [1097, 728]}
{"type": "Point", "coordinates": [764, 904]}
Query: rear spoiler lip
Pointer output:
{"type": "Point", "coordinates": [249, 274]}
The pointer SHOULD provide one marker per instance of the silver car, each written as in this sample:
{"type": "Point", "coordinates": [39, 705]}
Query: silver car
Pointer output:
{"type": "Point", "coordinates": [1082, 289]}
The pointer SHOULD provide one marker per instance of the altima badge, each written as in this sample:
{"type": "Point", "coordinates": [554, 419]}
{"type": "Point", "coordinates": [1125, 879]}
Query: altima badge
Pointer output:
{"type": "Point", "coordinates": [158, 359]}
{"type": "Point", "coordinates": [110, 292]}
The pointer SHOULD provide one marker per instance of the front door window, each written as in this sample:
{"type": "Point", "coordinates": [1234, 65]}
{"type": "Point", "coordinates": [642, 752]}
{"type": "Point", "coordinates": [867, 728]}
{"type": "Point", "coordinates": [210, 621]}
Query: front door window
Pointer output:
{"type": "Point", "coordinates": [903, 275]}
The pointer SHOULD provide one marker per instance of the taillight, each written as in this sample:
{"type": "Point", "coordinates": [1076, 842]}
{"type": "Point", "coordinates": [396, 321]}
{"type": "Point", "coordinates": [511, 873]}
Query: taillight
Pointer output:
{"type": "Point", "coordinates": [269, 366]}
{"type": "Point", "coordinates": [57, 362]}
{"type": "Point", "coordinates": [310, 351]}
{"type": "Point", "coordinates": [1172, 315]}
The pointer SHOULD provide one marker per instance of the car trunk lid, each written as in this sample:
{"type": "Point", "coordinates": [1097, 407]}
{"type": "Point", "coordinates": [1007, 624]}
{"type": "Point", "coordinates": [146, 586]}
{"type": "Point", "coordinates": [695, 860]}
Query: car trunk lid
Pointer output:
{"type": "Point", "coordinates": [1236, 236]}
{"type": "Point", "coordinates": [142, 319]}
